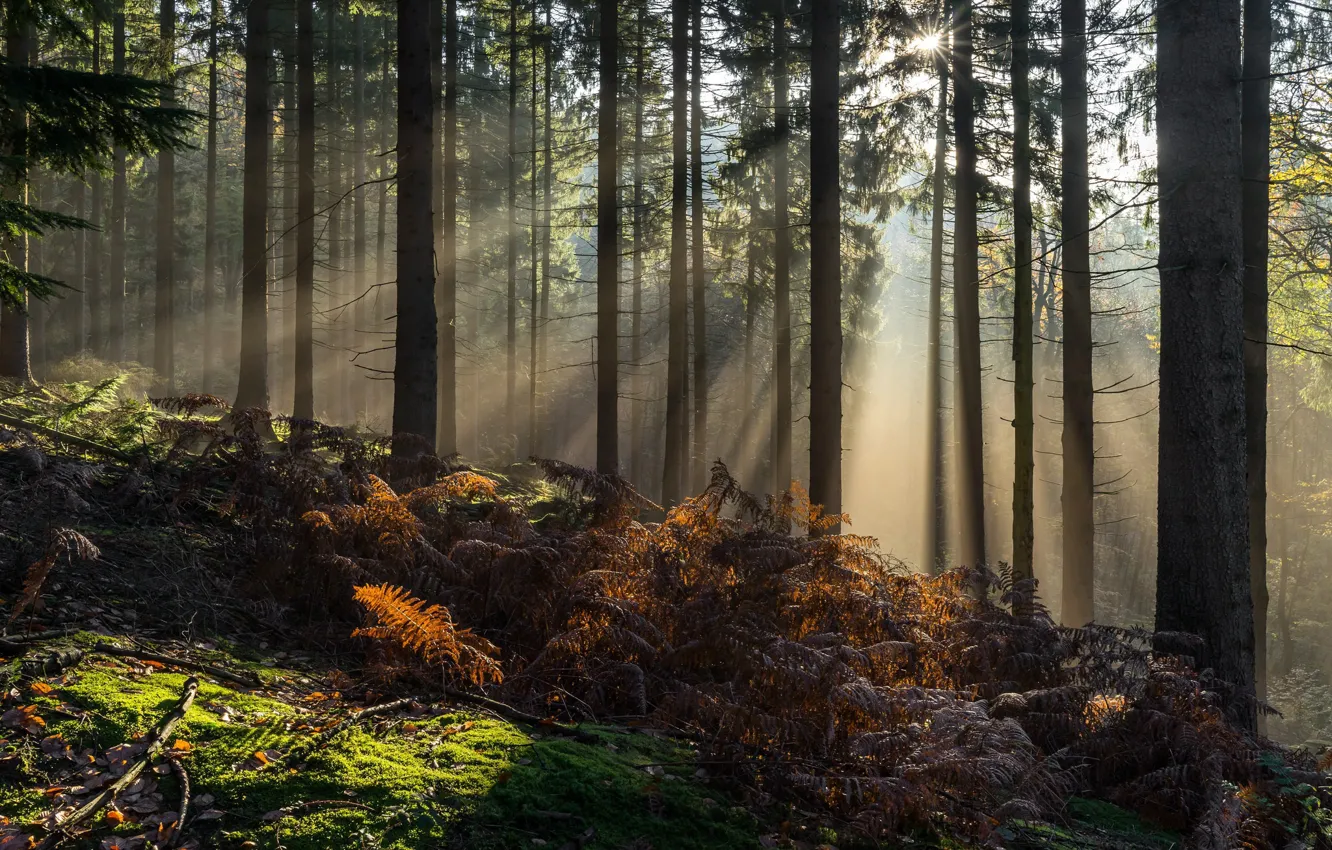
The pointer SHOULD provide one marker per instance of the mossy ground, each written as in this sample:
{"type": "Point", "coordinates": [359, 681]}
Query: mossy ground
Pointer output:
{"type": "Point", "coordinates": [457, 779]}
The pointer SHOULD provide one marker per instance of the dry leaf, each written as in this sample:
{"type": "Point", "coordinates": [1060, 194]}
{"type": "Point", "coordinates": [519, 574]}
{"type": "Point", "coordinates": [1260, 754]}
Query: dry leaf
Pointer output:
{"type": "Point", "coordinates": [182, 746]}
{"type": "Point", "coordinates": [40, 688]}
{"type": "Point", "coordinates": [113, 816]}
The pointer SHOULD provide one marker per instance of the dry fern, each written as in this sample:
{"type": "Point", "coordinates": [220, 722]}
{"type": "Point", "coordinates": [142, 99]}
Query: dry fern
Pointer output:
{"type": "Point", "coordinates": [64, 541]}
{"type": "Point", "coordinates": [428, 631]}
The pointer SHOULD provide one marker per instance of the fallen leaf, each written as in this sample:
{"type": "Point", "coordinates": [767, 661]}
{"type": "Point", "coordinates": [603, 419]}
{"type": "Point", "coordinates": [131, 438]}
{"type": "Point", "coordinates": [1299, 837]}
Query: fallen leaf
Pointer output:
{"type": "Point", "coordinates": [260, 757]}
{"type": "Point", "coordinates": [209, 814]}
{"type": "Point", "coordinates": [41, 688]}
{"type": "Point", "coordinates": [114, 816]}
{"type": "Point", "coordinates": [182, 746]}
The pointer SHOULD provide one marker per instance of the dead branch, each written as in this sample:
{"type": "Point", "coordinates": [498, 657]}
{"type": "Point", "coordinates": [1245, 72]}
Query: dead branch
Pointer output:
{"type": "Point", "coordinates": [245, 680]}
{"type": "Point", "coordinates": [155, 745]}
{"type": "Point", "coordinates": [183, 777]}
{"type": "Point", "coordinates": [62, 437]}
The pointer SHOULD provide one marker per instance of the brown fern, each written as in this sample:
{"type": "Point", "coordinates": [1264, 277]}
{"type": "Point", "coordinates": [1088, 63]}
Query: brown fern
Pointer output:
{"type": "Point", "coordinates": [64, 541]}
{"type": "Point", "coordinates": [428, 631]}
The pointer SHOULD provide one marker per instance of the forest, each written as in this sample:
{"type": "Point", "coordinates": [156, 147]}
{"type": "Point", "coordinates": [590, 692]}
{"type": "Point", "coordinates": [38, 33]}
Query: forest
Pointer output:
{"type": "Point", "coordinates": [654, 424]}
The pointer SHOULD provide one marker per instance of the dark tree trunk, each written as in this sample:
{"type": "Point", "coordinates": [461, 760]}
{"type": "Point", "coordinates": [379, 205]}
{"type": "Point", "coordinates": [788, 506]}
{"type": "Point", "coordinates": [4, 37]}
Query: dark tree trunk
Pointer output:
{"type": "Point", "coordinates": [208, 380]}
{"type": "Point", "coordinates": [303, 403]}
{"type": "Point", "coordinates": [1257, 130]}
{"type": "Point", "coordinates": [935, 498]}
{"type": "Point", "coordinates": [116, 351]}
{"type": "Point", "coordinates": [825, 261]}
{"type": "Point", "coordinates": [252, 388]}
{"type": "Point", "coordinates": [15, 360]}
{"type": "Point", "coordinates": [382, 360]}
{"type": "Point", "coordinates": [358, 398]}
{"type": "Point", "coordinates": [1079, 523]}
{"type": "Point", "coordinates": [781, 263]}
{"type": "Point", "coordinates": [447, 441]}
{"type": "Point", "coordinates": [637, 392]}
{"type": "Point", "coordinates": [336, 302]}
{"type": "Point", "coordinates": [92, 279]}
{"type": "Point", "coordinates": [674, 469]}
{"type": "Point", "coordinates": [699, 467]}
{"type": "Point", "coordinates": [969, 434]}
{"type": "Point", "coordinates": [533, 442]}
{"type": "Point", "coordinates": [414, 384]}
{"type": "Point", "coordinates": [286, 387]}
{"type": "Point", "coordinates": [608, 245]}
{"type": "Point", "coordinates": [548, 188]}
{"type": "Point", "coordinates": [511, 302]}
{"type": "Point", "coordinates": [1024, 466]}
{"type": "Point", "coordinates": [77, 301]}
{"type": "Point", "coordinates": [164, 313]}
{"type": "Point", "coordinates": [1202, 581]}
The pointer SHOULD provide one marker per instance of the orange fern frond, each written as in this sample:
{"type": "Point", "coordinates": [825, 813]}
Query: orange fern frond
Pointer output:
{"type": "Point", "coordinates": [64, 541]}
{"type": "Point", "coordinates": [429, 632]}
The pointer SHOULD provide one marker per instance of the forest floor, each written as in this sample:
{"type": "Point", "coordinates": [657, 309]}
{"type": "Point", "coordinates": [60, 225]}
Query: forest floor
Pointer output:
{"type": "Point", "coordinates": [287, 738]}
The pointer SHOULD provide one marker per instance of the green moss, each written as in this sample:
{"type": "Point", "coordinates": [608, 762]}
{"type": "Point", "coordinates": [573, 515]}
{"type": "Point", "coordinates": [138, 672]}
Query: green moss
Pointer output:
{"type": "Point", "coordinates": [395, 783]}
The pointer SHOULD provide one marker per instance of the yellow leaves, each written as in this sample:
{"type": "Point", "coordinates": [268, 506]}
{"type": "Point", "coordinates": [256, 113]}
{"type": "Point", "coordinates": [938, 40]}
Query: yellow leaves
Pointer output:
{"type": "Point", "coordinates": [182, 746]}
{"type": "Point", "coordinates": [261, 757]}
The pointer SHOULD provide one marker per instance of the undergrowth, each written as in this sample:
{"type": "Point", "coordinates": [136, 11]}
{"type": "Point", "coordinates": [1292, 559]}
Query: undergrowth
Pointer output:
{"type": "Point", "coordinates": [804, 666]}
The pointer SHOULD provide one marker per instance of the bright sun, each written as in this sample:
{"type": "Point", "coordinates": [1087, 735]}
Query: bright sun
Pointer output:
{"type": "Point", "coordinates": [928, 43]}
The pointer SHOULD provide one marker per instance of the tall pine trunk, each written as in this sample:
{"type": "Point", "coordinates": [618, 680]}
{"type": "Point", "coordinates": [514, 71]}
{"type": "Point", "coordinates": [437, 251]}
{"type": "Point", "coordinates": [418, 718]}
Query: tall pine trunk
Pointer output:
{"type": "Point", "coordinates": [1079, 461]}
{"type": "Point", "coordinates": [825, 261]}
{"type": "Point", "coordinates": [14, 344]}
{"type": "Point", "coordinates": [336, 302]}
{"type": "Point", "coordinates": [674, 470]}
{"type": "Point", "coordinates": [1202, 578]}
{"type": "Point", "coordinates": [208, 380]}
{"type": "Point", "coordinates": [781, 276]}
{"type": "Point", "coordinates": [447, 440]}
{"type": "Point", "coordinates": [935, 494]}
{"type": "Point", "coordinates": [511, 186]}
{"type": "Point", "coordinates": [164, 313]}
{"type": "Point", "coordinates": [1024, 466]}
{"type": "Point", "coordinates": [415, 365]}
{"type": "Point", "coordinates": [548, 143]}
{"type": "Point", "coordinates": [1257, 129]}
{"type": "Point", "coordinates": [608, 244]}
{"type": "Point", "coordinates": [358, 396]}
{"type": "Point", "coordinates": [303, 403]}
{"type": "Point", "coordinates": [638, 402]}
{"type": "Point", "coordinates": [699, 467]}
{"type": "Point", "coordinates": [967, 426]}
{"type": "Point", "coordinates": [286, 386]}
{"type": "Point", "coordinates": [116, 351]}
{"type": "Point", "coordinates": [533, 441]}
{"type": "Point", "coordinates": [252, 387]}
{"type": "Point", "coordinates": [92, 279]}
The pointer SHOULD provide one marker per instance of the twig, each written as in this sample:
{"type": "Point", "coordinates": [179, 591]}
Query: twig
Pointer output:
{"type": "Point", "coordinates": [61, 436]}
{"type": "Point", "coordinates": [183, 777]}
{"type": "Point", "coordinates": [20, 641]}
{"type": "Point", "coordinates": [248, 681]}
{"type": "Point", "coordinates": [508, 712]}
{"type": "Point", "coordinates": [155, 744]}
{"type": "Point", "coordinates": [324, 737]}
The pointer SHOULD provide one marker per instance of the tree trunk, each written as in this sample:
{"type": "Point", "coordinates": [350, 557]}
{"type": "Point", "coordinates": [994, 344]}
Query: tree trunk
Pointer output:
{"type": "Point", "coordinates": [1024, 466]}
{"type": "Point", "coordinates": [1256, 123]}
{"type": "Point", "coordinates": [1202, 581]}
{"type": "Point", "coordinates": [608, 244]}
{"type": "Point", "coordinates": [303, 403]}
{"type": "Point", "coordinates": [15, 360]}
{"type": "Point", "coordinates": [415, 364]}
{"type": "Point", "coordinates": [638, 402]}
{"type": "Point", "coordinates": [781, 264]}
{"type": "Point", "coordinates": [674, 470]}
{"type": "Point", "coordinates": [358, 400]}
{"type": "Point", "coordinates": [698, 477]}
{"type": "Point", "coordinates": [1079, 522]}
{"type": "Point", "coordinates": [548, 189]}
{"type": "Point", "coordinates": [286, 387]}
{"type": "Point", "coordinates": [252, 388]}
{"type": "Point", "coordinates": [533, 441]}
{"type": "Point", "coordinates": [969, 434]}
{"type": "Point", "coordinates": [447, 441]}
{"type": "Point", "coordinates": [208, 378]}
{"type": "Point", "coordinates": [825, 262]}
{"type": "Point", "coordinates": [935, 499]}
{"type": "Point", "coordinates": [164, 313]}
{"type": "Point", "coordinates": [77, 301]}
{"type": "Point", "coordinates": [511, 315]}
{"type": "Point", "coordinates": [92, 279]}
{"type": "Point", "coordinates": [382, 358]}
{"type": "Point", "coordinates": [336, 302]}
{"type": "Point", "coordinates": [116, 291]}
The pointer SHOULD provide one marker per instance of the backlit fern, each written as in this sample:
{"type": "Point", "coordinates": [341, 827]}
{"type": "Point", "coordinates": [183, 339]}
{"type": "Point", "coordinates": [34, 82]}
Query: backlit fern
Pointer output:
{"type": "Point", "coordinates": [428, 632]}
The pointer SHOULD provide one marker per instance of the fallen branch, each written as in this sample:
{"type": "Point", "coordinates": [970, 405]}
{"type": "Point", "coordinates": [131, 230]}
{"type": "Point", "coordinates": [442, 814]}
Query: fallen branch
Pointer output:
{"type": "Point", "coordinates": [107, 794]}
{"type": "Point", "coordinates": [12, 642]}
{"type": "Point", "coordinates": [245, 680]}
{"type": "Point", "coordinates": [323, 738]}
{"type": "Point", "coordinates": [61, 436]}
{"type": "Point", "coordinates": [183, 777]}
{"type": "Point", "coordinates": [582, 840]}
{"type": "Point", "coordinates": [508, 712]}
